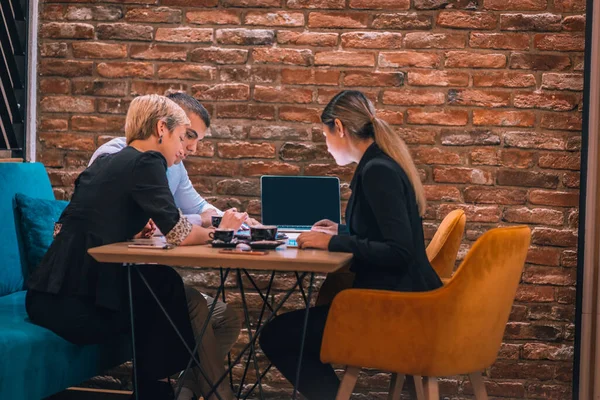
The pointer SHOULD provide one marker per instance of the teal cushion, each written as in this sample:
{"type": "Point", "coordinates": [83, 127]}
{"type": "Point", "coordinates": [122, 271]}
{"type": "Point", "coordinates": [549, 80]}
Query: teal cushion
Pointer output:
{"type": "Point", "coordinates": [32, 180]}
{"type": "Point", "coordinates": [35, 362]}
{"type": "Point", "coordinates": [37, 217]}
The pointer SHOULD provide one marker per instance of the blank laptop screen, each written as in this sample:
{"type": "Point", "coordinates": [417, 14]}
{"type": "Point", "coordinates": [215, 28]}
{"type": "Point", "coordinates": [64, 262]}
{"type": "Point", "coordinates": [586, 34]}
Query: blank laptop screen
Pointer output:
{"type": "Point", "coordinates": [299, 200]}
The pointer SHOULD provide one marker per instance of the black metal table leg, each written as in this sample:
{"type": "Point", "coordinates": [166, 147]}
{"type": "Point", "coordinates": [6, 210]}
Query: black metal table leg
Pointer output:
{"type": "Point", "coordinates": [135, 378]}
{"type": "Point", "coordinates": [304, 328]}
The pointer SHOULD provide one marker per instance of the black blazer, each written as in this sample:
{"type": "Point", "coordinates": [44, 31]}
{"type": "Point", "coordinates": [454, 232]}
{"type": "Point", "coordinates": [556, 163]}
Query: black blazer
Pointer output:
{"type": "Point", "coordinates": [385, 230]}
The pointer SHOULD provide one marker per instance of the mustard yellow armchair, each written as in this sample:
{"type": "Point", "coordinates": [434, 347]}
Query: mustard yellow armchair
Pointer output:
{"type": "Point", "coordinates": [456, 329]}
{"type": "Point", "coordinates": [441, 252]}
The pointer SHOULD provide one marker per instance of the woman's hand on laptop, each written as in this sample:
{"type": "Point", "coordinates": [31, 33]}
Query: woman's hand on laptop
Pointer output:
{"type": "Point", "coordinates": [325, 226]}
{"type": "Point", "coordinates": [314, 240]}
{"type": "Point", "coordinates": [233, 220]}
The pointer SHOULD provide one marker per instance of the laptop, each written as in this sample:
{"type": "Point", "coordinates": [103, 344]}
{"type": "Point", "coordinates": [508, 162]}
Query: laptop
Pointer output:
{"type": "Point", "coordinates": [295, 203]}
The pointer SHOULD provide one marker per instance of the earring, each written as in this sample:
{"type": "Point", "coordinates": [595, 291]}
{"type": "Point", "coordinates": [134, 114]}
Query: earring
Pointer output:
{"type": "Point", "coordinates": [160, 139]}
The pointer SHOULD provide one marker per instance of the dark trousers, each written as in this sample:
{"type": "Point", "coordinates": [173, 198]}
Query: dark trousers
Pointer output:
{"type": "Point", "coordinates": [159, 350]}
{"type": "Point", "coordinates": [280, 341]}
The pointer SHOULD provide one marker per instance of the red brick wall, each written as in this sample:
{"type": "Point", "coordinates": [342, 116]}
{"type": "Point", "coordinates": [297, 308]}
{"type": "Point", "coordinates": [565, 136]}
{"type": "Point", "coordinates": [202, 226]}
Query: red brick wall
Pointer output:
{"type": "Point", "coordinates": [486, 92]}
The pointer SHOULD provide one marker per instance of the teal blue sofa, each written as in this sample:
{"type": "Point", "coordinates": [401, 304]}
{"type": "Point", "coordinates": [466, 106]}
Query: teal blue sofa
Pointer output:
{"type": "Point", "coordinates": [34, 362]}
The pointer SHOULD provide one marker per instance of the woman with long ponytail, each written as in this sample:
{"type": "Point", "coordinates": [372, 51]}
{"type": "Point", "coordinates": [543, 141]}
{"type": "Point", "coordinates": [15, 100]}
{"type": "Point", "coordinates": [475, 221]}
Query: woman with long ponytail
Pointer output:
{"type": "Point", "coordinates": [384, 231]}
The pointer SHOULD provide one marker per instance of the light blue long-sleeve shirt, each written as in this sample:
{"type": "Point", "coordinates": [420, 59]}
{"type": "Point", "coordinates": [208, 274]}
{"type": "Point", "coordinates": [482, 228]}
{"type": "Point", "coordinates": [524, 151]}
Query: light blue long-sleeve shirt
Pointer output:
{"type": "Point", "coordinates": [186, 197]}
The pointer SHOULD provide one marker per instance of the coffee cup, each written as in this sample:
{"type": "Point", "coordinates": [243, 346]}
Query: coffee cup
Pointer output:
{"type": "Point", "coordinates": [216, 220]}
{"type": "Point", "coordinates": [263, 233]}
{"type": "Point", "coordinates": [224, 235]}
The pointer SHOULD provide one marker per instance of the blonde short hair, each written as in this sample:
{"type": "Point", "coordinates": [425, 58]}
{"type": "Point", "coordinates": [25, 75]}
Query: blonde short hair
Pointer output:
{"type": "Point", "coordinates": [146, 111]}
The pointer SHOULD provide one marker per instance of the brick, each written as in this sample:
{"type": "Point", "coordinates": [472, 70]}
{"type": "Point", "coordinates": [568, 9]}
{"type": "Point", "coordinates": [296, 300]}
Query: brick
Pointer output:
{"type": "Point", "coordinates": [503, 79]}
{"type": "Point", "coordinates": [72, 104]}
{"type": "Point", "coordinates": [569, 258]}
{"type": "Point", "coordinates": [310, 77]}
{"type": "Point", "coordinates": [245, 37]}
{"type": "Point", "coordinates": [578, 63]}
{"type": "Point", "coordinates": [184, 35]}
{"type": "Point", "coordinates": [158, 52]}
{"type": "Point", "coordinates": [221, 92]}
{"type": "Point", "coordinates": [360, 78]}
{"type": "Point", "coordinates": [113, 106]}
{"type": "Point", "coordinates": [411, 97]}
{"type": "Point", "coordinates": [300, 114]}
{"type": "Point", "coordinates": [558, 81]}
{"type": "Point", "coordinates": [554, 237]}
{"type": "Point", "coordinates": [303, 152]}
{"type": "Point", "coordinates": [525, 370]}
{"type": "Point", "coordinates": [540, 62]}
{"type": "Point", "coordinates": [569, 5]}
{"type": "Point", "coordinates": [97, 124]}
{"type": "Point", "coordinates": [125, 70]}
{"type": "Point", "coordinates": [560, 161]}
{"type": "Point", "coordinates": [537, 255]}
{"type": "Point", "coordinates": [403, 21]}
{"type": "Point", "coordinates": [67, 141]}
{"type": "Point", "coordinates": [54, 86]}
{"type": "Point", "coordinates": [282, 95]}
{"type": "Point", "coordinates": [95, 13]}
{"type": "Point", "coordinates": [333, 20]}
{"type": "Point", "coordinates": [260, 168]}
{"type": "Point", "coordinates": [392, 117]}
{"type": "Point", "coordinates": [67, 30]}
{"type": "Point", "coordinates": [515, 5]}
{"type": "Point", "coordinates": [53, 124]}
{"type": "Point", "coordinates": [66, 68]}
{"type": "Point", "coordinates": [530, 22]}
{"type": "Point", "coordinates": [413, 135]}
{"type": "Point", "coordinates": [466, 59]}
{"type": "Point", "coordinates": [277, 18]}
{"type": "Point", "coordinates": [435, 156]}
{"type": "Point", "coordinates": [516, 159]}
{"type": "Point", "coordinates": [53, 12]}
{"type": "Point", "coordinates": [546, 101]}
{"type": "Point", "coordinates": [53, 50]}
{"type": "Point", "coordinates": [238, 187]}
{"type": "Point", "coordinates": [462, 175]}
{"type": "Point", "coordinates": [501, 41]}
{"type": "Point", "coordinates": [441, 193]}
{"type": "Point", "coordinates": [438, 78]}
{"type": "Point", "coordinates": [437, 4]}
{"type": "Point", "coordinates": [500, 388]}
{"type": "Point", "coordinates": [562, 121]}
{"type": "Point", "coordinates": [371, 40]}
{"type": "Point", "coordinates": [217, 17]}
{"type": "Point", "coordinates": [154, 15]}
{"type": "Point", "coordinates": [472, 213]}
{"type": "Point", "coordinates": [559, 41]}
{"type": "Point", "coordinates": [251, 3]}
{"type": "Point", "coordinates": [437, 117]}
{"type": "Point", "coordinates": [565, 295]}
{"type": "Point", "coordinates": [99, 50]}
{"type": "Point", "coordinates": [51, 158]}
{"type": "Point", "coordinates": [345, 173]}
{"type": "Point", "coordinates": [484, 195]}
{"type": "Point", "coordinates": [122, 31]}
{"type": "Point", "coordinates": [504, 118]}
{"type": "Point", "coordinates": [426, 40]}
{"type": "Point", "coordinates": [574, 23]}
{"type": "Point", "coordinates": [380, 4]}
{"type": "Point", "coordinates": [277, 132]}
{"type": "Point", "coordinates": [187, 72]}
{"type": "Point", "coordinates": [345, 58]}
{"type": "Point", "coordinates": [466, 20]}
{"type": "Point", "coordinates": [100, 88]}
{"type": "Point", "coordinates": [316, 39]}
{"type": "Point", "coordinates": [535, 294]}
{"type": "Point", "coordinates": [237, 150]}
{"type": "Point", "coordinates": [409, 59]}
{"type": "Point", "coordinates": [476, 137]}
{"type": "Point", "coordinates": [574, 143]}
{"type": "Point", "coordinates": [228, 132]}
{"type": "Point", "coordinates": [141, 88]}
{"type": "Point", "coordinates": [312, 4]}
{"type": "Point", "coordinates": [571, 180]}
{"type": "Point", "coordinates": [527, 178]}
{"type": "Point", "coordinates": [247, 73]}
{"type": "Point", "coordinates": [485, 157]}
{"type": "Point", "coordinates": [550, 276]}
{"type": "Point", "coordinates": [283, 56]}
{"type": "Point", "coordinates": [324, 95]}
{"type": "Point", "coordinates": [539, 140]}
{"type": "Point", "coordinates": [187, 3]}
{"type": "Point", "coordinates": [478, 98]}
{"type": "Point", "coordinates": [549, 392]}
{"type": "Point", "coordinates": [215, 55]}
{"type": "Point", "coordinates": [554, 198]}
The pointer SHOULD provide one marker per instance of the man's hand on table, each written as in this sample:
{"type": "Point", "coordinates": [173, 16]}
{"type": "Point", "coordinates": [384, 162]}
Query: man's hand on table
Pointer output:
{"type": "Point", "coordinates": [314, 240]}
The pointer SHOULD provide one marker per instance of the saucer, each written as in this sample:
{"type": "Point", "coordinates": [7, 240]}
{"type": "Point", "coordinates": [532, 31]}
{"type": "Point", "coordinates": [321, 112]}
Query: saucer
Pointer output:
{"type": "Point", "coordinates": [224, 245]}
{"type": "Point", "coordinates": [266, 244]}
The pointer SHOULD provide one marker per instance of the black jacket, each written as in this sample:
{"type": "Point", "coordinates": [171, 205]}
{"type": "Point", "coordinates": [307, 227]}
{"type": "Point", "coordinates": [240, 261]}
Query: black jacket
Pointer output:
{"type": "Point", "coordinates": [385, 230]}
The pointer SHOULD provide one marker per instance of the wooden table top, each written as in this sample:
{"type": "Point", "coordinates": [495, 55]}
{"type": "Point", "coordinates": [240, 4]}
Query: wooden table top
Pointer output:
{"type": "Point", "coordinates": [289, 259]}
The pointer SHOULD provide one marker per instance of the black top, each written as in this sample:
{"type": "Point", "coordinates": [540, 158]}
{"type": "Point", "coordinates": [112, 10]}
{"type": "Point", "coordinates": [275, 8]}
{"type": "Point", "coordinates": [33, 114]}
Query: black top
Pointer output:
{"type": "Point", "coordinates": [385, 230]}
{"type": "Point", "coordinates": [113, 200]}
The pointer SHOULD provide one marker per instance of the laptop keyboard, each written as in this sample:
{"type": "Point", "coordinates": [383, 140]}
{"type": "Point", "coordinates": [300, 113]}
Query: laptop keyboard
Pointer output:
{"type": "Point", "coordinates": [296, 227]}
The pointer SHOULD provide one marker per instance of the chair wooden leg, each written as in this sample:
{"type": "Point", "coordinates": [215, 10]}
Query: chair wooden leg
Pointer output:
{"type": "Point", "coordinates": [478, 386]}
{"type": "Point", "coordinates": [396, 385]}
{"type": "Point", "coordinates": [348, 383]}
{"type": "Point", "coordinates": [431, 388]}
{"type": "Point", "coordinates": [419, 387]}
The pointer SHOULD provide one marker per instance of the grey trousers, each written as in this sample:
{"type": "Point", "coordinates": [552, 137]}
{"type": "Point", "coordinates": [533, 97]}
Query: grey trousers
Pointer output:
{"type": "Point", "coordinates": [220, 335]}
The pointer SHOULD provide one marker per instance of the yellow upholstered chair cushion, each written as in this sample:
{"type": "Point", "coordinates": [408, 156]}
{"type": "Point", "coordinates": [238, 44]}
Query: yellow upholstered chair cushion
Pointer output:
{"type": "Point", "coordinates": [456, 329]}
{"type": "Point", "coordinates": [444, 245]}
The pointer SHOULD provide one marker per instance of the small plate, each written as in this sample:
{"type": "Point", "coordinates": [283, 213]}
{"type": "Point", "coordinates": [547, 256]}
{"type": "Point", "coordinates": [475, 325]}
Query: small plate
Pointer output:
{"type": "Point", "coordinates": [223, 245]}
{"type": "Point", "coordinates": [266, 244]}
